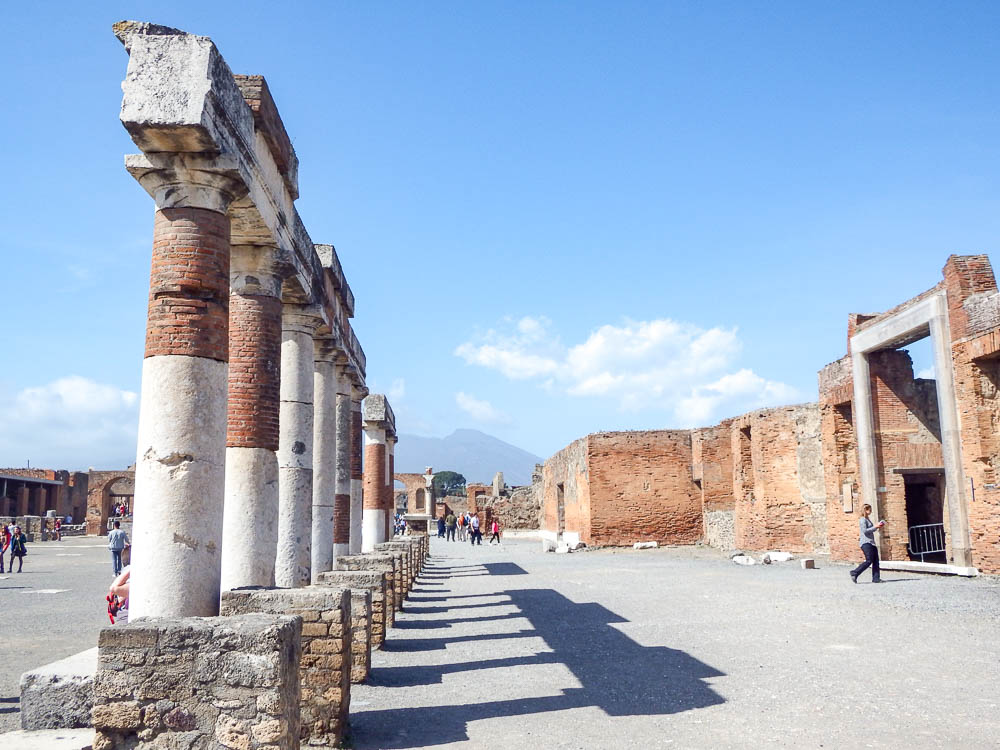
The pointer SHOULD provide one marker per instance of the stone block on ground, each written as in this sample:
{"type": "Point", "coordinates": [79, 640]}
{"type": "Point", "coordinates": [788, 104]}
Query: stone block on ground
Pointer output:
{"type": "Point", "coordinates": [645, 545]}
{"type": "Point", "coordinates": [196, 682]}
{"type": "Point", "coordinates": [325, 667]}
{"type": "Point", "coordinates": [59, 695]}
{"type": "Point", "coordinates": [808, 564]}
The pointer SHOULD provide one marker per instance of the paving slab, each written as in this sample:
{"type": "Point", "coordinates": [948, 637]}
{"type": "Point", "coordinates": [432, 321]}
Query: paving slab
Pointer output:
{"type": "Point", "coordinates": [508, 647]}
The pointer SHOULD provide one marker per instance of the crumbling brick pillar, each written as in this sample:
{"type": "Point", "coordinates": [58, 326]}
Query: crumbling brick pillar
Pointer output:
{"type": "Point", "coordinates": [361, 619]}
{"type": "Point", "coordinates": [357, 438]}
{"type": "Point", "coordinates": [199, 682]}
{"type": "Point", "coordinates": [295, 446]}
{"type": "Point", "coordinates": [324, 454]}
{"type": "Point", "coordinates": [325, 667]}
{"type": "Point", "coordinates": [342, 500]}
{"type": "Point", "coordinates": [180, 464]}
{"type": "Point", "coordinates": [250, 523]}
{"type": "Point", "coordinates": [384, 564]}
{"type": "Point", "coordinates": [372, 581]}
{"type": "Point", "coordinates": [373, 519]}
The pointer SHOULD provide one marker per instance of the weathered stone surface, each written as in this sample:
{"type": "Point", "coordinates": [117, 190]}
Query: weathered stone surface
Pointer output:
{"type": "Point", "coordinates": [59, 695]}
{"type": "Point", "coordinates": [200, 682]}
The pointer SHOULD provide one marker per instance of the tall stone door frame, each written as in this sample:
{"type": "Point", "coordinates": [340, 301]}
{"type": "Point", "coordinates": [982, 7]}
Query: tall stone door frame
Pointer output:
{"type": "Point", "coordinates": [928, 317]}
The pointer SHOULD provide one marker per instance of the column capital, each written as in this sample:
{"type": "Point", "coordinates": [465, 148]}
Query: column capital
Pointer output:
{"type": "Point", "coordinates": [301, 318]}
{"type": "Point", "coordinates": [183, 180]}
{"type": "Point", "coordinates": [374, 433]}
{"type": "Point", "coordinates": [256, 270]}
{"type": "Point", "coordinates": [327, 349]}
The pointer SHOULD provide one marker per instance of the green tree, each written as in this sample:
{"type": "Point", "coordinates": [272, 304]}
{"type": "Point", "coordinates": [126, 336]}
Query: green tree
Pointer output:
{"type": "Point", "coordinates": [448, 483]}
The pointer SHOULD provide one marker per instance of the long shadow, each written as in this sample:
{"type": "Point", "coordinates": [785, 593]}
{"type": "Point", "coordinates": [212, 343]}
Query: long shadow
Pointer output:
{"type": "Point", "coordinates": [505, 569]}
{"type": "Point", "coordinates": [436, 610]}
{"type": "Point", "coordinates": [434, 644]}
{"type": "Point", "coordinates": [447, 623]}
{"type": "Point", "coordinates": [616, 674]}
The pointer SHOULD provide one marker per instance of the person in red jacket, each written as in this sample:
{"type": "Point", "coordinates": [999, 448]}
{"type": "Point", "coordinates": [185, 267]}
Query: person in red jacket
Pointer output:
{"type": "Point", "coordinates": [495, 530]}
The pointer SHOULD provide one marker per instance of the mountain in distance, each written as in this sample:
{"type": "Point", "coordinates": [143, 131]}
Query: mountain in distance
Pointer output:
{"type": "Point", "coordinates": [473, 454]}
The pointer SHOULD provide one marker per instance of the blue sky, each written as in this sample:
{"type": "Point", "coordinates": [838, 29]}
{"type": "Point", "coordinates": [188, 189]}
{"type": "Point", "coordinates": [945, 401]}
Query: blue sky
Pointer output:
{"type": "Point", "coordinates": [557, 218]}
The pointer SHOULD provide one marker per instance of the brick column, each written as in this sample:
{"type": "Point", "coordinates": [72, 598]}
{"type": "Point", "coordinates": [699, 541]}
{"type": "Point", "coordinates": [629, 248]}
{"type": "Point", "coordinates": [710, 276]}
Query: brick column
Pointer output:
{"type": "Point", "coordinates": [357, 436]}
{"type": "Point", "coordinates": [180, 464]}
{"type": "Point", "coordinates": [373, 518]}
{"type": "Point", "coordinates": [295, 447]}
{"type": "Point", "coordinates": [324, 455]}
{"type": "Point", "coordinates": [342, 500]}
{"type": "Point", "coordinates": [250, 523]}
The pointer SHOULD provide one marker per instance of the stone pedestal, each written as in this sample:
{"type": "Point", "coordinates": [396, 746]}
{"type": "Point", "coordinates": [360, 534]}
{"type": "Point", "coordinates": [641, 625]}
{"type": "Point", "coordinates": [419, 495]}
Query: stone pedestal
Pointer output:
{"type": "Point", "coordinates": [399, 585]}
{"type": "Point", "coordinates": [361, 630]}
{"type": "Point", "coordinates": [379, 562]}
{"type": "Point", "coordinates": [409, 559]}
{"type": "Point", "coordinates": [375, 582]}
{"type": "Point", "coordinates": [324, 670]}
{"type": "Point", "coordinates": [199, 682]}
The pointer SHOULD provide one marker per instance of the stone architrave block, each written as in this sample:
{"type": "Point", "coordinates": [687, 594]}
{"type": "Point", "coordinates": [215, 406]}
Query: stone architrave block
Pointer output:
{"type": "Point", "coordinates": [375, 582]}
{"type": "Point", "coordinates": [196, 682]}
{"type": "Point", "coordinates": [59, 695]}
{"type": "Point", "coordinates": [380, 562]}
{"type": "Point", "coordinates": [361, 631]}
{"type": "Point", "coordinates": [324, 672]}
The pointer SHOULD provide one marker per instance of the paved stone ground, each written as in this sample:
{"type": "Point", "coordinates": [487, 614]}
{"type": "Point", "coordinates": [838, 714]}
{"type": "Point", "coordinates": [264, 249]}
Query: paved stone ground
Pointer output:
{"type": "Point", "coordinates": [511, 648]}
{"type": "Point", "coordinates": [53, 609]}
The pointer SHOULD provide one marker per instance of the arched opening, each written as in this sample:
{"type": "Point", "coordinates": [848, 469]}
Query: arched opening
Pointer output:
{"type": "Point", "coordinates": [420, 501]}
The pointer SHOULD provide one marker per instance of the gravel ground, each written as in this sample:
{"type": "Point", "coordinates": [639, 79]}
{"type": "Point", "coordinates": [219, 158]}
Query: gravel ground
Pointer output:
{"type": "Point", "coordinates": [51, 610]}
{"type": "Point", "coordinates": [511, 648]}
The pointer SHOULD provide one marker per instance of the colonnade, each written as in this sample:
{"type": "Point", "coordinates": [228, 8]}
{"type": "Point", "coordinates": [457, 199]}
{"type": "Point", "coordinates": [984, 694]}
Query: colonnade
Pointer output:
{"type": "Point", "coordinates": [249, 467]}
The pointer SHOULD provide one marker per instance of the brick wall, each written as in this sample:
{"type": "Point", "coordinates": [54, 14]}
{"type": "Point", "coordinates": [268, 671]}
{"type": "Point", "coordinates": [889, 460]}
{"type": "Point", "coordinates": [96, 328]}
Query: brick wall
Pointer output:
{"type": "Point", "coordinates": [642, 489]}
{"type": "Point", "coordinates": [568, 469]}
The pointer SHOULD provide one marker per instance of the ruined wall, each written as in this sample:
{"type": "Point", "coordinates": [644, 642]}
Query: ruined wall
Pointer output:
{"type": "Point", "coordinates": [641, 488]}
{"type": "Point", "coordinates": [99, 497]}
{"type": "Point", "coordinates": [840, 459]}
{"type": "Point", "coordinates": [780, 499]}
{"type": "Point", "coordinates": [568, 468]}
{"type": "Point", "coordinates": [974, 317]}
{"type": "Point", "coordinates": [712, 470]}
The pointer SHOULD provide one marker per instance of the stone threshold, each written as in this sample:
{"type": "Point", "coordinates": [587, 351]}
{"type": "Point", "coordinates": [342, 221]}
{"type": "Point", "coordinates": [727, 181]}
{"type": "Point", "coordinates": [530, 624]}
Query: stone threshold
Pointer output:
{"type": "Point", "coordinates": [910, 566]}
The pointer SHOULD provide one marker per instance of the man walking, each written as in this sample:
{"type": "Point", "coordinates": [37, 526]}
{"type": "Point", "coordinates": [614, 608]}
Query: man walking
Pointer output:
{"type": "Point", "coordinates": [474, 535]}
{"type": "Point", "coordinates": [868, 547]}
{"type": "Point", "coordinates": [449, 522]}
{"type": "Point", "coordinates": [117, 542]}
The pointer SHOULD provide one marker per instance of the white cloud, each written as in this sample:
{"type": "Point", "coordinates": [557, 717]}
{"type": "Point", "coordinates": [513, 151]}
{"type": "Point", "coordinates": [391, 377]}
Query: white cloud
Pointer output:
{"type": "Point", "coordinates": [663, 364]}
{"type": "Point", "coordinates": [927, 373]}
{"type": "Point", "coordinates": [70, 423]}
{"type": "Point", "coordinates": [481, 411]}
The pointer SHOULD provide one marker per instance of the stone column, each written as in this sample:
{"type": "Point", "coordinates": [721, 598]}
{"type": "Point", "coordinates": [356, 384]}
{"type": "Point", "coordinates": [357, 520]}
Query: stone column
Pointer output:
{"type": "Point", "coordinates": [357, 394]}
{"type": "Point", "coordinates": [295, 447]}
{"type": "Point", "coordinates": [390, 489]}
{"type": "Point", "coordinates": [250, 523]}
{"type": "Point", "coordinates": [181, 450]}
{"type": "Point", "coordinates": [342, 500]}
{"type": "Point", "coordinates": [373, 519]}
{"type": "Point", "coordinates": [324, 456]}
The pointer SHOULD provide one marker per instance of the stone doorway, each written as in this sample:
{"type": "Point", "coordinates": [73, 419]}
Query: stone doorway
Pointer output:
{"type": "Point", "coordinates": [560, 510]}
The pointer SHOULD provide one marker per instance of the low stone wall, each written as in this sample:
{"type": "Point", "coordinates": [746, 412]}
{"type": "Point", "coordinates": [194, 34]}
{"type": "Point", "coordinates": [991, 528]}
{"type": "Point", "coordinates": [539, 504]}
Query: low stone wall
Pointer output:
{"type": "Point", "coordinates": [324, 670]}
{"type": "Point", "coordinates": [59, 695]}
{"type": "Point", "coordinates": [409, 551]}
{"type": "Point", "coordinates": [199, 682]}
{"type": "Point", "coordinates": [373, 581]}
{"type": "Point", "coordinates": [399, 572]}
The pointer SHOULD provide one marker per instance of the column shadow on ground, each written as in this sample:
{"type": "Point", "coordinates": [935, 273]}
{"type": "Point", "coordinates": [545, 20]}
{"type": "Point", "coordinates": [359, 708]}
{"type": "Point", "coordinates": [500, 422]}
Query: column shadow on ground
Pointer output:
{"type": "Point", "coordinates": [616, 674]}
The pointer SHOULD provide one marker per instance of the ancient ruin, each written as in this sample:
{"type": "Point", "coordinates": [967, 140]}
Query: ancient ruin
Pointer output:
{"type": "Point", "coordinates": [922, 452]}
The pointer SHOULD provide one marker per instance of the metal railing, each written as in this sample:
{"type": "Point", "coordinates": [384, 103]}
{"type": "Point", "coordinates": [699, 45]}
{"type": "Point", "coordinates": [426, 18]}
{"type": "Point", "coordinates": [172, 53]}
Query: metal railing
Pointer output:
{"type": "Point", "coordinates": [927, 539]}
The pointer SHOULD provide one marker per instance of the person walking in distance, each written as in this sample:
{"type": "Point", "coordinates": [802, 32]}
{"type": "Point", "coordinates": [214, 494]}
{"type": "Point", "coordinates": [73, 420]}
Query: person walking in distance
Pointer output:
{"type": "Point", "coordinates": [117, 542]}
{"type": "Point", "coordinates": [4, 543]}
{"type": "Point", "coordinates": [495, 531]}
{"type": "Point", "coordinates": [18, 549]}
{"type": "Point", "coordinates": [476, 536]}
{"type": "Point", "coordinates": [449, 522]}
{"type": "Point", "coordinates": [463, 524]}
{"type": "Point", "coordinates": [868, 530]}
